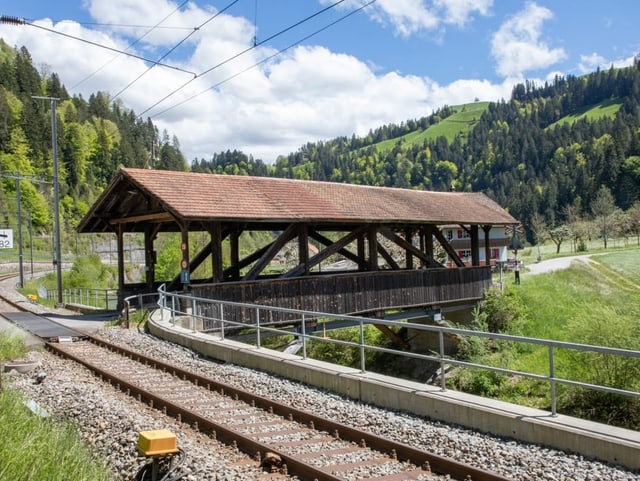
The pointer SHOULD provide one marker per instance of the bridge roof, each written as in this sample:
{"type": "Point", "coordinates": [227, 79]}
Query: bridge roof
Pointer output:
{"type": "Point", "coordinates": [136, 197]}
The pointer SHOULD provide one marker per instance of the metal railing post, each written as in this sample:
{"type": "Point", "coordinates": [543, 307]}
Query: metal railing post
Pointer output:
{"type": "Point", "coordinates": [552, 381]}
{"type": "Point", "coordinates": [443, 381]}
{"type": "Point", "coordinates": [221, 321]}
{"type": "Point", "coordinates": [362, 350]}
{"type": "Point", "coordinates": [193, 314]}
{"type": "Point", "coordinates": [304, 338]}
{"type": "Point", "coordinates": [126, 313]}
{"type": "Point", "coordinates": [162, 303]}
{"type": "Point", "coordinates": [258, 327]}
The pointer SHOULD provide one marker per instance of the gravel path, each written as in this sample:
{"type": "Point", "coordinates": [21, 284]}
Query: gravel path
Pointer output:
{"type": "Point", "coordinates": [555, 264]}
{"type": "Point", "coordinates": [110, 421]}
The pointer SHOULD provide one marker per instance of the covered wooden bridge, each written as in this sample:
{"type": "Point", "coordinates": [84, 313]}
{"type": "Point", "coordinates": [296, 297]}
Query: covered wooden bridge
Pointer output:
{"type": "Point", "coordinates": [349, 248]}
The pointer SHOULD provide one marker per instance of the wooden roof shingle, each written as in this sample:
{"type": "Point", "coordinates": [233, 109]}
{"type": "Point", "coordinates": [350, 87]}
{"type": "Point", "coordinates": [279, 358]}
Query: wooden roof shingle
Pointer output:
{"type": "Point", "coordinates": [210, 197]}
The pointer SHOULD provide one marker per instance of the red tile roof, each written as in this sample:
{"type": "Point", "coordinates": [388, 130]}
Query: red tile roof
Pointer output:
{"type": "Point", "coordinates": [194, 196]}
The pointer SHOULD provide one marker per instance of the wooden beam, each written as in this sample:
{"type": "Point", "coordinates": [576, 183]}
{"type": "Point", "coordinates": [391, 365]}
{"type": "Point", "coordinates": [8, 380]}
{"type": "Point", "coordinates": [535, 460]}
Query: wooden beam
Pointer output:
{"type": "Point", "coordinates": [288, 234]}
{"type": "Point", "coordinates": [372, 243]}
{"type": "Point", "coordinates": [303, 247]}
{"type": "Point", "coordinates": [447, 247]}
{"type": "Point", "coordinates": [395, 338]}
{"type": "Point", "coordinates": [487, 244]}
{"type": "Point", "coordinates": [231, 271]}
{"type": "Point", "coordinates": [234, 245]}
{"type": "Point", "coordinates": [343, 252]}
{"type": "Point", "coordinates": [392, 236]}
{"type": "Point", "coordinates": [475, 245]}
{"type": "Point", "coordinates": [217, 237]}
{"type": "Point", "coordinates": [156, 217]}
{"type": "Point", "coordinates": [150, 234]}
{"type": "Point", "coordinates": [408, 236]}
{"type": "Point", "coordinates": [388, 257]}
{"type": "Point", "coordinates": [120, 248]}
{"type": "Point", "coordinates": [426, 242]}
{"type": "Point", "coordinates": [334, 248]}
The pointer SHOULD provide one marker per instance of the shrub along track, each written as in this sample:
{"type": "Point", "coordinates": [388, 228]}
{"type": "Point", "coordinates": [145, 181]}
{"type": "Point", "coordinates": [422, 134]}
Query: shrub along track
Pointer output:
{"type": "Point", "coordinates": [291, 441]}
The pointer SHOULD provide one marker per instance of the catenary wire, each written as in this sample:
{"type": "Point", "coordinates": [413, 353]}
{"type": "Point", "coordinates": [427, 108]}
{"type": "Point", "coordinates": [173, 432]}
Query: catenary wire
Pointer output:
{"type": "Point", "coordinates": [266, 59]}
{"type": "Point", "coordinates": [233, 57]}
{"type": "Point", "coordinates": [196, 29]}
{"type": "Point", "coordinates": [123, 25]}
{"type": "Point", "coordinates": [95, 44]}
{"type": "Point", "coordinates": [130, 45]}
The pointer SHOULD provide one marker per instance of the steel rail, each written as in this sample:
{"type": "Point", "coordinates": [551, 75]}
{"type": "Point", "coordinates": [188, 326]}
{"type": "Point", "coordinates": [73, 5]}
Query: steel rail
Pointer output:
{"type": "Point", "coordinates": [436, 463]}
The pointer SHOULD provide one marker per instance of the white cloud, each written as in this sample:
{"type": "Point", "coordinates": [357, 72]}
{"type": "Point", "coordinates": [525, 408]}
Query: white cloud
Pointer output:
{"type": "Point", "coordinates": [517, 46]}
{"type": "Point", "coordinates": [593, 61]}
{"type": "Point", "coordinates": [308, 94]}
{"type": "Point", "coordinates": [588, 63]}
{"type": "Point", "coordinates": [460, 12]}
{"type": "Point", "coordinates": [408, 17]}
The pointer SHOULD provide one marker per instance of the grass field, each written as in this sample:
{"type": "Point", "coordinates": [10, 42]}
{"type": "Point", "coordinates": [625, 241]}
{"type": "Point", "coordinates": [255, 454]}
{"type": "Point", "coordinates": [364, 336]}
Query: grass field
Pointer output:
{"type": "Point", "coordinates": [606, 108]}
{"type": "Point", "coordinates": [594, 303]}
{"type": "Point", "coordinates": [34, 447]}
{"type": "Point", "coordinates": [465, 118]}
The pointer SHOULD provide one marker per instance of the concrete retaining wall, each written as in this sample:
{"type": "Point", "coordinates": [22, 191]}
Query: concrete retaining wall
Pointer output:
{"type": "Point", "coordinates": [607, 443]}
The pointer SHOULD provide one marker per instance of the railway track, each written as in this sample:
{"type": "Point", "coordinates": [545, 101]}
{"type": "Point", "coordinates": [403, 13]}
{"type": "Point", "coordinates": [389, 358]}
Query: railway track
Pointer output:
{"type": "Point", "coordinates": [289, 440]}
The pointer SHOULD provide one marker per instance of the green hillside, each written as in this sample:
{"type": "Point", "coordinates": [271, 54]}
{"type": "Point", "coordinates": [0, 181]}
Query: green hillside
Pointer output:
{"type": "Point", "coordinates": [606, 108]}
{"type": "Point", "coordinates": [466, 116]}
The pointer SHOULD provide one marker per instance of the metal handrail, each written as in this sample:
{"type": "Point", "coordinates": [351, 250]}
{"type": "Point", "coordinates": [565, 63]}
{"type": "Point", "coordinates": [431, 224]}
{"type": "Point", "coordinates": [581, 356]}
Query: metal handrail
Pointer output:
{"type": "Point", "coordinates": [106, 299]}
{"type": "Point", "coordinates": [173, 302]}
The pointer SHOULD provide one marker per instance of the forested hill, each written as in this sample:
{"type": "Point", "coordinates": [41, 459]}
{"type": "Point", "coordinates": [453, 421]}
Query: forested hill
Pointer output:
{"type": "Point", "coordinates": [548, 150]}
{"type": "Point", "coordinates": [94, 137]}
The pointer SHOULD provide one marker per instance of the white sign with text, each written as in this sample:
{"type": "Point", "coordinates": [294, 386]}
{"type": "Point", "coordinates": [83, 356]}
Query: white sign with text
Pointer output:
{"type": "Point", "coordinates": [6, 238]}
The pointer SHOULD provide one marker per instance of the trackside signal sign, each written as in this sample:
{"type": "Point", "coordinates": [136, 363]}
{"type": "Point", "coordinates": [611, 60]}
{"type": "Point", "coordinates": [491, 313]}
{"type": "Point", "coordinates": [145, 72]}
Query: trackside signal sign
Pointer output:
{"type": "Point", "coordinates": [6, 238]}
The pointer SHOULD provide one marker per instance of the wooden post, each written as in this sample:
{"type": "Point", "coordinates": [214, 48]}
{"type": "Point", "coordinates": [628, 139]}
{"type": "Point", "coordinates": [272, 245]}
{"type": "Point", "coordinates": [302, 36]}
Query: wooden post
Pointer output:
{"type": "Point", "coordinates": [216, 252]}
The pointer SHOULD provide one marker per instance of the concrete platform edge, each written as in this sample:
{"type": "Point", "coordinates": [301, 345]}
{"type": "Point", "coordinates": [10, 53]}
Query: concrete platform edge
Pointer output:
{"type": "Point", "coordinates": [606, 443]}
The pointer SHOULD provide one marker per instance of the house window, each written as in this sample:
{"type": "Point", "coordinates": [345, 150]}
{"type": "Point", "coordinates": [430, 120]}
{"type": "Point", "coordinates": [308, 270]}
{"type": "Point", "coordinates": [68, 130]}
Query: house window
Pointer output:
{"type": "Point", "coordinates": [463, 234]}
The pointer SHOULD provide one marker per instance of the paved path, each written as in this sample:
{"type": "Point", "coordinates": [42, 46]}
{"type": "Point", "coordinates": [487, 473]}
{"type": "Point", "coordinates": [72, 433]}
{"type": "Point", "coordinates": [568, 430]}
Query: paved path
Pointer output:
{"type": "Point", "coordinates": [88, 323]}
{"type": "Point", "coordinates": [555, 264]}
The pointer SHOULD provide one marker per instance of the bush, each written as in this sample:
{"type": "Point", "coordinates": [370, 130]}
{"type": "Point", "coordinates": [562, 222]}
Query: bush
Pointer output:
{"type": "Point", "coordinates": [478, 382]}
{"type": "Point", "coordinates": [603, 325]}
{"type": "Point", "coordinates": [11, 347]}
{"type": "Point", "coordinates": [348, 355]}
{"type": "Point", "coordinates": [500, 309]}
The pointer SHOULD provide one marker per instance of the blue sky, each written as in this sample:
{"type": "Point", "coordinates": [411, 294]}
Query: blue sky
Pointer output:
{"type": "Point", "coordinates": [391, 61]}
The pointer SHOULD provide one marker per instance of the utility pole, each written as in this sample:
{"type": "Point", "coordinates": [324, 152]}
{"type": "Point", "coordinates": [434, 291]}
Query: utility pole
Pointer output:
{"type": "Point", "coordinates": [19, 177]}
{"type": "Point", "coordinates": [20, 256]}
{"type": "Point", "coordinates": [56, 193]}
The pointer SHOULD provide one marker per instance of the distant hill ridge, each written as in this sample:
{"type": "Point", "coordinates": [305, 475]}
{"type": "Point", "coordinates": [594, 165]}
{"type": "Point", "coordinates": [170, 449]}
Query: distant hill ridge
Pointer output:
{"type": "Point", "coordinates": [546, 151]}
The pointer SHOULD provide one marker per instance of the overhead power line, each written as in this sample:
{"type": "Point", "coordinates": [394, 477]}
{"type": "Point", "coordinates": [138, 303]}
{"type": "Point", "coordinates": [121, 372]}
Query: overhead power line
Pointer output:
{"type": "Point", "coordinates": [112, 25]}
{"type": "Point", "coordinates": [151, 29]}
{"type": "Point", "coordinates": [233, 57]}
{"type": "Point", "coordinates": [127, 25]}
{"type": "Point", "coordinates": [196, 29]}
{"type": "Point", "coordinates": [22, 21]}
{"type": "Point", "coordinates": [266, 59]}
